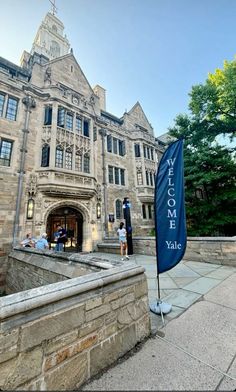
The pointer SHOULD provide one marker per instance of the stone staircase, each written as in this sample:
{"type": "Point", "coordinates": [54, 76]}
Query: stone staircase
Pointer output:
{"type": "Point", "coordinates": [109, 245]}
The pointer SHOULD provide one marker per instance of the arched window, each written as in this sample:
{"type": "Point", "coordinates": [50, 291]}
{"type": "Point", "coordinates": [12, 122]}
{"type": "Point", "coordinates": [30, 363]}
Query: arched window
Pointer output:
{"type": "Point", "coordinates": [45, 155]}
{"type": "Point", "coordinates": [68, 159]}
{"type": "Point", "coordinates": [59, 157]}
{"type": "Point", "coordinates": [55, 49]}
{"type": "Point", "coordinates": [119, 209]}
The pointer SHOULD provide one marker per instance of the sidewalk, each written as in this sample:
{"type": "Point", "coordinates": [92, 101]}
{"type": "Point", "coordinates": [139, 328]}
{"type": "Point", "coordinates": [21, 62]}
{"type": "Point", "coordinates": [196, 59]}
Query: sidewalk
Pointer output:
{"type": "Point", "coordinates": [196, 349]}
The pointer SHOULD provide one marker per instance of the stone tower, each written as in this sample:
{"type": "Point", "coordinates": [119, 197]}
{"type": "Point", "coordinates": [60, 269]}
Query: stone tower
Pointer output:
{"type": "Point", "coordinates": [50, 40]}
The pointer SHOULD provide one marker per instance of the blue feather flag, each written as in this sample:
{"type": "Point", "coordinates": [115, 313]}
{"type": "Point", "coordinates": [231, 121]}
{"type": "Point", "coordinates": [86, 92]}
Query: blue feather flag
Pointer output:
{"type": "Point", "coordinates": [170, 218]}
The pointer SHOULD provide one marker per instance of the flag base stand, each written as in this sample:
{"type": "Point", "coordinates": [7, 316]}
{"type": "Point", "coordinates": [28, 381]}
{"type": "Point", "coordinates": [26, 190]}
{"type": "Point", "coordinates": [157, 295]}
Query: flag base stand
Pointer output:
{"type": "Point", "coordinates": [160, 307]}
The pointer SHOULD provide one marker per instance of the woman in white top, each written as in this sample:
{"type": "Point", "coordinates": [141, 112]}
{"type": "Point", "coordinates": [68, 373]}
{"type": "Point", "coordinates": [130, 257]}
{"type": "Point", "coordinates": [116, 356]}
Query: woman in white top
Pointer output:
{"type": "Point", "coordinates": [123, 241]}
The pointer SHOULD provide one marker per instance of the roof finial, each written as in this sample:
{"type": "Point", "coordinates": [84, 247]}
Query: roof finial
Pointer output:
{"type": "Point", "coordinates": [54, 8]}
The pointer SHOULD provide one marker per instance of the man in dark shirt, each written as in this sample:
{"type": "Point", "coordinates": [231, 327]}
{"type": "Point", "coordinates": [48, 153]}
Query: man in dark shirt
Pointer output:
{"type": "Point", "coordinates": [61, 239]}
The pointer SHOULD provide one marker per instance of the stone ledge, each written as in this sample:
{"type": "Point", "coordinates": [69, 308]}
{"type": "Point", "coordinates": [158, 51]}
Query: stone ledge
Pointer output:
{"type": "Point", "coordinates": [30, 299]}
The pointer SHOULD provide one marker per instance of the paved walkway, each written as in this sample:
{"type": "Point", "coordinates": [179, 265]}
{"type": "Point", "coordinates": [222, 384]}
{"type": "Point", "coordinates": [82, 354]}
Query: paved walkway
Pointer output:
{"type": "Point", "coordinates": [196, 349]}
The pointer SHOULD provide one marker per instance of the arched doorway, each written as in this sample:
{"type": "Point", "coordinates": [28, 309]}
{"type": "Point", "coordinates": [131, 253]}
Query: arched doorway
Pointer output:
{"type": "Point", "coordinates": [70, 219]}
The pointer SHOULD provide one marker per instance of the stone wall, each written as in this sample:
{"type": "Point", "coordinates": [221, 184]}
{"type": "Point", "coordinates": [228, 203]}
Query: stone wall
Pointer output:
{"type": "Point", "coordinates": [218, 250]}
{"type": "Point", "coordinates": [27, 269]}
{"type": "Point", "coordinates": [57, 336]}
{"type": "Point", "coordinates": [3, 270]}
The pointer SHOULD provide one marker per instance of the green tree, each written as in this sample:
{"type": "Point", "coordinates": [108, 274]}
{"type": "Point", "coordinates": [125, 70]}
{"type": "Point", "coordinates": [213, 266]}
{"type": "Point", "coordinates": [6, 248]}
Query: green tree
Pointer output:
{"type": "Point", "coordinates": [210, 169]}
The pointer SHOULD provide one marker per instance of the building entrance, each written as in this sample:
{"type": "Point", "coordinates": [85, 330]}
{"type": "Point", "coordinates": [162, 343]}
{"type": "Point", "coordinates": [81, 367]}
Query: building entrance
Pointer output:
{"type": "Point", "coordinates": [72, 221]}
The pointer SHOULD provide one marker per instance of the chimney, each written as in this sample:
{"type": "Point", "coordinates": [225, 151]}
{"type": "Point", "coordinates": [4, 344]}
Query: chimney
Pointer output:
{"type": "Point", "coordinates": [101, 93]}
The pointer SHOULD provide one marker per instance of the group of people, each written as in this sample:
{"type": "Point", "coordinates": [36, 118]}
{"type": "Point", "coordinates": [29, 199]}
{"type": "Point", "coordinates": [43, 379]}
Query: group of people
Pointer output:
{"type": "Point", "coordinates": [60, 238]}
{"type": "Point", "coordinates": [31, 242]}
{"type": "Point", "coordinates": [42, 243]}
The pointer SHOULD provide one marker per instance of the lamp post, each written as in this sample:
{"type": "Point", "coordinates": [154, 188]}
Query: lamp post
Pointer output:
{"type": "Point", "coordinates": [127, 217]}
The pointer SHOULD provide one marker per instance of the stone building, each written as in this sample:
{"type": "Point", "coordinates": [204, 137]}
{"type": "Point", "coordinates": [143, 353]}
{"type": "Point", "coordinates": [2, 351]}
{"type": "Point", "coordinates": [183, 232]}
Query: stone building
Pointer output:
{"type": "Point", "coordinates": [63, 158]}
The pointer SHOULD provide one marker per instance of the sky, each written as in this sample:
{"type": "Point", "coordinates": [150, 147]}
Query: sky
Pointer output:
{"type": "Point", "coordinates": [151, 51]}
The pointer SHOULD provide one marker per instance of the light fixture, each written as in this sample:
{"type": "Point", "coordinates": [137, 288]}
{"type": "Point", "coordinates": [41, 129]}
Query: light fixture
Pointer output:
{"type": "Point", "coordinates": [30, 208]}
{"type": "Point", "coordinates": [98, 211]}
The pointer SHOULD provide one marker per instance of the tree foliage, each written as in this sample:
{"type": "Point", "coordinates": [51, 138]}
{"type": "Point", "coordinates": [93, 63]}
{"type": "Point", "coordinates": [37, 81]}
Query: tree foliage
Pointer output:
{"type": "Point", "coordinates": [210, 168]}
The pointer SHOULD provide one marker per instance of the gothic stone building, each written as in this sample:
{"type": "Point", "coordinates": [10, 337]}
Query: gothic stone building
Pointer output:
{"type": "Point", "coordinates": [63, 158]}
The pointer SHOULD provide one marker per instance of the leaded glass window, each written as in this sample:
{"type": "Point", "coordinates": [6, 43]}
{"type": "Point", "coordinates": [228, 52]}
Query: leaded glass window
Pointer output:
{"type": "Point", "coordinates": [69, 121]}
{"type": "Point", "coordinates": [110, 175]}
{"type": "Point", "coordinates": [109, 143]}
{"type": "Point", "coordinates": [2, 100]}
{"type": "Point", "coordinates": [117, 177]}
{"type": "Point", "coordinates": [119, 209]}
{"type": "Point", "coordinates": [68, 159]}
{"type": "Point", "coordinates": [139, 178]}
{"type": "Point", "coordinates": [12, 104]}
{"type": "Point", "coordinates": [5, 152]}
{"type": "Point", "coordinates": [45, 155]}
{"type": "Point", "coordinates": [86, 163]}
{"type": "Point", "coordinates": [78, 162]}
{"type": "Point", "coordinates": [137, 152]}
{"type": "Point", "coordinates": [61, 117]}
{"type": "Point", "coordinates": [59, 157]}
{"type": "Point", "coordinates": [78, 124]}
{"type": "Point", "coordinates": [115, 145]}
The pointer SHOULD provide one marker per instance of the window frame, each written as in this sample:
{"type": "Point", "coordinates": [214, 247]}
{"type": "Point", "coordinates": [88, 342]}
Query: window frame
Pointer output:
{"type": "Point", "coordinates": [2, 158]}
{"type": "Point", "coordinates": [11, 114]}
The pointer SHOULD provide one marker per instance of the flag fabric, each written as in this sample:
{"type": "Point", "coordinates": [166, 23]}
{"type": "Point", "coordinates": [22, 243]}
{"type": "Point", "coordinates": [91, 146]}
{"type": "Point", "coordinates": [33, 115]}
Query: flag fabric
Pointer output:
{"type": "Point", "coordinates": [170, 219]}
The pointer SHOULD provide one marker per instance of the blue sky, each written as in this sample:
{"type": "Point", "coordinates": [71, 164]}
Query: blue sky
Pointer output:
{"type": "Point", "coordinates": [151, 51]}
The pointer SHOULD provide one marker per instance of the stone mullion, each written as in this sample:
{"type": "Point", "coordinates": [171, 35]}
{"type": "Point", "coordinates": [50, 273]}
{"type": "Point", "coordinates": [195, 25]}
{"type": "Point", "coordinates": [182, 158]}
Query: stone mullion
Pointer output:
{"type": "Point", "coordinates": [53, 136]}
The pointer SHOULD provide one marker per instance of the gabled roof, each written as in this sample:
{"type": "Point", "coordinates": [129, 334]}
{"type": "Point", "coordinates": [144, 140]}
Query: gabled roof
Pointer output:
{"type": "Point", "coordinates": [137, 111]}
{"type": "Point", "coordinates": [68, 56]}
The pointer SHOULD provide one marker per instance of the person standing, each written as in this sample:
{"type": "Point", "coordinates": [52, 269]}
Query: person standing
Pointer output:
{"type": "Point", "coordinates": [123, 241]}
{"type": "Point", "coordinates": [61, 239]}
{"type": "Point", "coordinates": [42, 243]}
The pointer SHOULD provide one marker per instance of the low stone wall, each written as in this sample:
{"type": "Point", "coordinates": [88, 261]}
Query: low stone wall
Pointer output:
{"type": "Point", "coordinates": [218, 250]}
{"type": "Point", "coordinates": [57, 336]}
{"type": "Point", "coordinates": [30, 268]}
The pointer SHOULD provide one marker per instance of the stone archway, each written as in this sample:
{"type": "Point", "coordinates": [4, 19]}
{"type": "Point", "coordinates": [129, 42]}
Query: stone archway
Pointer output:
{"type": "Point", "coordinates": [72, 220]}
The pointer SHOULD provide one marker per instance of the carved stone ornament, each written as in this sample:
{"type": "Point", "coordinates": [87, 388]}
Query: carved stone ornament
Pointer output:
{"type": "Point", "coordinates": [32, 184]}
{"type": "Point", "coordinates": [48, 74]}
{"type": "Point", "coordinates": [99, 192]}
{"type": "Point", "coordinates": [75, 100]}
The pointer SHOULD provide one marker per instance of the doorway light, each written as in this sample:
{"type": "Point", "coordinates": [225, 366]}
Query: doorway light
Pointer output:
{"type": "Point", "coordinates": [30, 208]}
{"type": "Point", "coordinates": [98, 211]}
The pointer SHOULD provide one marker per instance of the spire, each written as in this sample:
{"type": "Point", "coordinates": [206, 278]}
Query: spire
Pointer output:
{"type": "Point", "coordinates": [53, 7]}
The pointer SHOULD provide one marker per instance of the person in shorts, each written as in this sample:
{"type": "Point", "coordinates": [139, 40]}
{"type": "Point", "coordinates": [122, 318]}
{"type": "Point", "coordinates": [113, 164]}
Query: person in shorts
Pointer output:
{"type": "Point", "coordinates": [123, 241]}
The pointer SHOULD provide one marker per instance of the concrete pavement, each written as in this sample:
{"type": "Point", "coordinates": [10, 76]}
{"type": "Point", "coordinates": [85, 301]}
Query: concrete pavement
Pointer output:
{"type": "Point", "coordinates": [196, 349]}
